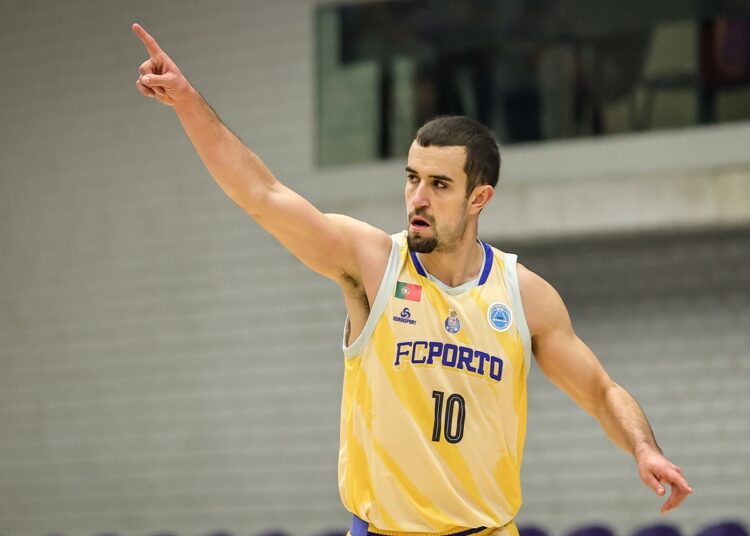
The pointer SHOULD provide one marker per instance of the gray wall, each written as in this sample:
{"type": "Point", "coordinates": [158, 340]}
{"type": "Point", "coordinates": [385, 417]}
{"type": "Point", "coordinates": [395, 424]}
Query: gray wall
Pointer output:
{"type": "Point", "coordinates": [668, 315]}
{"type": "Point", "coordinates": [166, 365]}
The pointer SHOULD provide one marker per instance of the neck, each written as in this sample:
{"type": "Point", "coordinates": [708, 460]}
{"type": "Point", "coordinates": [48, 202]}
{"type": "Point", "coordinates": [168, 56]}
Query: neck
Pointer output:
{"type": "Point", "coordinates": [463, 263]}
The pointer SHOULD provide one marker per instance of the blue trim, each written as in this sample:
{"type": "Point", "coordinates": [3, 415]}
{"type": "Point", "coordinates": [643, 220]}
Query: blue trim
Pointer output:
{"type": "Point", "coordinates": [359, 527]}
{"type": "Point", "coordinates": [467, 532]}
{"type": "Point", "coordinates": [417, 264]}
{"type": "Point", "coordinates": [487, 264]}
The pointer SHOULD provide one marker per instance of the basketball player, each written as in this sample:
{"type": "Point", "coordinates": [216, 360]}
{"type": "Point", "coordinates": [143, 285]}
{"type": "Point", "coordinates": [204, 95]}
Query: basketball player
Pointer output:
{"type": "Point", "coordinates": [440, 333]}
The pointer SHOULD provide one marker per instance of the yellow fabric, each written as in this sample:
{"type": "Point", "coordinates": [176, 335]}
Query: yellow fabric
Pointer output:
{"type": "Point", "coordinates": [392, 473]}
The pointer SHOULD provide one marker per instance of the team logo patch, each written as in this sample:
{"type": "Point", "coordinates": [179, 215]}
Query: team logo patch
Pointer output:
{"type": "Point", "coordinates": [499, 316]}
{"type": "Point", "coordinates": [408, 291]}
{"type": "Point", "coordinates": [452, 323]}
{"type": "Point", "coordinates": [405, 317]}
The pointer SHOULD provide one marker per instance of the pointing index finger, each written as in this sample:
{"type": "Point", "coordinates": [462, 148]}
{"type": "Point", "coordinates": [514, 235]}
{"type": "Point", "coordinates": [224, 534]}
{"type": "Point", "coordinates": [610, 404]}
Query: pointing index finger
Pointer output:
{"type": "Point", "coordinates": [150, 43]}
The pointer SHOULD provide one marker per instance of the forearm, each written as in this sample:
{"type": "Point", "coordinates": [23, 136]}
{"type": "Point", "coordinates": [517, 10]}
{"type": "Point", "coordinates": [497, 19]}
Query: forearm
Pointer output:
{"type": "Point", "coordinates": [624, 421]}
{"type": "Point", "coordinates": [236, 169]}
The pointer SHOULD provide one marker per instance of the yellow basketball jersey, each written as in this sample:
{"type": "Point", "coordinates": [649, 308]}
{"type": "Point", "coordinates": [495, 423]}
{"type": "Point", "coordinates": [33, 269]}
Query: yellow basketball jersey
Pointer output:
{"type": "Point", "coordinates": [433, 416]}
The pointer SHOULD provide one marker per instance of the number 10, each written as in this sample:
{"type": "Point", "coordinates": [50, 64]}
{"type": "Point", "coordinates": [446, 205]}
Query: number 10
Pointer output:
{"type": "Point", "coordinates": [455, 403]}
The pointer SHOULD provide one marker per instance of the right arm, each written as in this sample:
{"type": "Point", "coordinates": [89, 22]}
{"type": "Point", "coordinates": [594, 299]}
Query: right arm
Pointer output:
{"type": "Point", "coordinates": [571, 365]}
{"type": "Point", "coordinates": [338, 247]}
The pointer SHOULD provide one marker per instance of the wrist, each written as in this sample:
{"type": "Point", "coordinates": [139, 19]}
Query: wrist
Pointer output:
{"type": "Point", "coordinates": [644, 449]}
{"type": "Point", "coordinates": [187, 100]}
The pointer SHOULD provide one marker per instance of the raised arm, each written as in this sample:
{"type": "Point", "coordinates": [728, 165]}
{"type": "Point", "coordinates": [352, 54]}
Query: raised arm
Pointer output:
{"type": "Point", "coordinates": [335, 246]}
{"type": "Point", "coordinates": [572, 366]}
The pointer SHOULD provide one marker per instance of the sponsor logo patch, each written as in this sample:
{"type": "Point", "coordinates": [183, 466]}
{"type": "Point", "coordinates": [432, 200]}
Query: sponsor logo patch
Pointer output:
{"type": "Point", "coordinates": [499, 316]}
{"type": "Point", "coordinates": [405, 317]}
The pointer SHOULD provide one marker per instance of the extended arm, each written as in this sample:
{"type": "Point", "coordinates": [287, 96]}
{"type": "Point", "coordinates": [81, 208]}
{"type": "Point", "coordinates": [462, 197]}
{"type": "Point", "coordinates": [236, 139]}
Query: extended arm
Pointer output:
{"type": "Point", "coordinates": [572, 366]}
{"type": "Point", "coordinates": [331, 245]}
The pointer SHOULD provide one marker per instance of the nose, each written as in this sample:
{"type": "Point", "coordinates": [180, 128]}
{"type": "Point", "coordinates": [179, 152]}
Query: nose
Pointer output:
{"type": "Point", "coordinates": [420, 198]}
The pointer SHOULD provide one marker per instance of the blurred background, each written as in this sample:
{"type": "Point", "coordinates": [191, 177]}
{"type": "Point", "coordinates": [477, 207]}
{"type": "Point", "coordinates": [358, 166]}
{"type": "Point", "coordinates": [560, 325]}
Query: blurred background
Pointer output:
{"type": "Point", "coordinates": [167, 368]}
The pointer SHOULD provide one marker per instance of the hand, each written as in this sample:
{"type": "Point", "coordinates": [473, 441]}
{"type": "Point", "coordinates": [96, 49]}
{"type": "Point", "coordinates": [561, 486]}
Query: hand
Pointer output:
{"type": "Point", "coordinates": [655, 470]}
{"type": "Point", "coordinates": [160, 78]}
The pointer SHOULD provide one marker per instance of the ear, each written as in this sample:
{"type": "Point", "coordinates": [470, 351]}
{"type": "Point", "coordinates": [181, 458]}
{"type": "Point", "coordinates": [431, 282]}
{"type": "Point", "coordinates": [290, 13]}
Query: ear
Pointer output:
{"type": "Point", "coordinates": [479, 198]}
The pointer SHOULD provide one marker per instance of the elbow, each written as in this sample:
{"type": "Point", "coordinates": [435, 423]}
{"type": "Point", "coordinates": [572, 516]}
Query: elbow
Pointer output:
{"type": "Point", "coordinates": [253, 187]}
{"type": "Point", "coordinates": [601, 402]}
{"type": "Point", "coordinates": [256, 200]}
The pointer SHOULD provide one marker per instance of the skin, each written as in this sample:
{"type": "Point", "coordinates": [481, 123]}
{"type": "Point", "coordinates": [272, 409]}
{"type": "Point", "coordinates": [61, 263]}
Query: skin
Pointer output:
{"type": "Point", "coordinates": [355, 254]}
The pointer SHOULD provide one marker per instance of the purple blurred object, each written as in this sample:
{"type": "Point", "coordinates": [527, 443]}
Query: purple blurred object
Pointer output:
{"type": "Point", "coordinates": [659, 529]}
{"type": "Point", "coordinates": [592, 530]}
{"type": "Point", "coordinates": [725, 528]}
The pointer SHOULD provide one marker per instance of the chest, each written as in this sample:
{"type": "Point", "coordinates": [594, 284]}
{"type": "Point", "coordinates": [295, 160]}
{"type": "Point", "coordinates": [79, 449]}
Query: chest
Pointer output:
{"type": "Point", "coordinates": [473, 331]}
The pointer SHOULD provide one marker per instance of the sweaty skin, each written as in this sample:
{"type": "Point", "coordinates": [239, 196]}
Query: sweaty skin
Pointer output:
{"type": "Point", "coordinates": [442, 226]}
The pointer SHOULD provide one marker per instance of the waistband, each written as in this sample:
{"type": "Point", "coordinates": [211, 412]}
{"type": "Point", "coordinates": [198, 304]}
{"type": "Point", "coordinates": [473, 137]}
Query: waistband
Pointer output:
{"type": "Point", "coordinates": [360, 527]}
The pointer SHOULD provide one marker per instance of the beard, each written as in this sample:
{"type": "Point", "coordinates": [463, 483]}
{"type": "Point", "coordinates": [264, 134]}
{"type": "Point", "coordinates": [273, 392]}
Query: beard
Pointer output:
{"type": "Point", "coordinates": [422, 244]}
{"type": "Point", "coordinates": [443, 242]}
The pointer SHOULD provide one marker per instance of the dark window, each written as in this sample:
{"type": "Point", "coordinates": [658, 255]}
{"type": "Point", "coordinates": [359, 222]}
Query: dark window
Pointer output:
{"type": "Point", "coordinates": [532, 70]}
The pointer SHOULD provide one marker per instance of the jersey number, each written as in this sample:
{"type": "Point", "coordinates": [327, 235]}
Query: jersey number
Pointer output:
{"type": "Point", "coordinates": [455, 406]}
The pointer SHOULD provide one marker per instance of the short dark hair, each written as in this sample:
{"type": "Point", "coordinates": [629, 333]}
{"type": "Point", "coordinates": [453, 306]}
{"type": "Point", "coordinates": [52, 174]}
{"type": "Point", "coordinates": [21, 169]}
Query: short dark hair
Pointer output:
{"type": "Point", "coordinates": [482, 152]}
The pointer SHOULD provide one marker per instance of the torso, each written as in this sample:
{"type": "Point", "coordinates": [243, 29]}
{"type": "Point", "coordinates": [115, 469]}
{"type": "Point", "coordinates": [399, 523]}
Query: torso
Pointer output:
{"type": "Point", "coordinates": [419, 352]}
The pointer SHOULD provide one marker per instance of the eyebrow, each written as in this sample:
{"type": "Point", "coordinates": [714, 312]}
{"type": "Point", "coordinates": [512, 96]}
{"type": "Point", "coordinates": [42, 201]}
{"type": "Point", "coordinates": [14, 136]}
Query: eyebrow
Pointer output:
{"type": "Point", "coordinates": [439, 177]}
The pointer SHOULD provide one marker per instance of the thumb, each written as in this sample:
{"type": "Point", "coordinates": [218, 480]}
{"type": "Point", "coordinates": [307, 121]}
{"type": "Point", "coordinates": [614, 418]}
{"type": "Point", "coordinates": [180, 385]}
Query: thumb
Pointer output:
{"type": "Point", "coordinates": [167, 81]}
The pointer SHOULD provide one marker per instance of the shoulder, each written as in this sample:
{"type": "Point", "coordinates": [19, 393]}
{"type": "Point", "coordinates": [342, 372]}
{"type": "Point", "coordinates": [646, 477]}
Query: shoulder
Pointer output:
{"type": "Point", "coordinates": [369, 234]}
{"type": "Point", "coordinates": [371, 249]}
{"type": "Point", "coordinates": [543, 306]}
{"type": "Point", "coordinates": [370, 243]}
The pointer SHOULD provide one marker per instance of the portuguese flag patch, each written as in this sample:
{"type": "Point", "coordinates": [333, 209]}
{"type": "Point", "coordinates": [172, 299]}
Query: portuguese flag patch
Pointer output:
{"type": "Point", "coordinates": [408, 291]}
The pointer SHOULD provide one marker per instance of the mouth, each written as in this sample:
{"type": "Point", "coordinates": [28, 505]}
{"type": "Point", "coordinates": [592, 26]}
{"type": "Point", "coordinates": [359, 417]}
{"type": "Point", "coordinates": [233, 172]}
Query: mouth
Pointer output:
{"type": "Point", "coordinates": [419, 223]}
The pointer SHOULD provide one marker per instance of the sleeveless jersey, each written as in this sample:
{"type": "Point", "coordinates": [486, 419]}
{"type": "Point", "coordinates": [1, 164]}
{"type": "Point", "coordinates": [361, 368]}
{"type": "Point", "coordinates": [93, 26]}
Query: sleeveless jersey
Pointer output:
{"type": "Point", "coordinates": [433, 415]}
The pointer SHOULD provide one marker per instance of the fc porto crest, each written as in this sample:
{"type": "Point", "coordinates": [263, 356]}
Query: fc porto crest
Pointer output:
{"type": "Point", "coordinates": [499, 316]}
{"type": "Point", "coordinates": [452, 323]}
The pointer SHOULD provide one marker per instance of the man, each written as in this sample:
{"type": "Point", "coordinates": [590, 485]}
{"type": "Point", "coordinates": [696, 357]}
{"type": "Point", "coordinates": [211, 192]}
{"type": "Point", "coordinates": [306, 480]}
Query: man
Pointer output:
{"type": "Point", "coordinates": [440, 330]}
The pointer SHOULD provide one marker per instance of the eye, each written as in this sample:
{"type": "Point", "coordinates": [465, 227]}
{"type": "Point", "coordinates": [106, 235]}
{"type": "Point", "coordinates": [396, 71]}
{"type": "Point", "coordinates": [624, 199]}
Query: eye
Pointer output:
{"type": "Point", "coordinates": [411, 177]}
{"type": "Point", "coordinates": [440, 185]}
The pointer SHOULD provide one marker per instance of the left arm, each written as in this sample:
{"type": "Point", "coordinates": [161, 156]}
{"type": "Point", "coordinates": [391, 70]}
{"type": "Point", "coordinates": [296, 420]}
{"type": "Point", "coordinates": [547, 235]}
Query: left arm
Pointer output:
{"type": "Point", "coordinates": [572, 366]}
